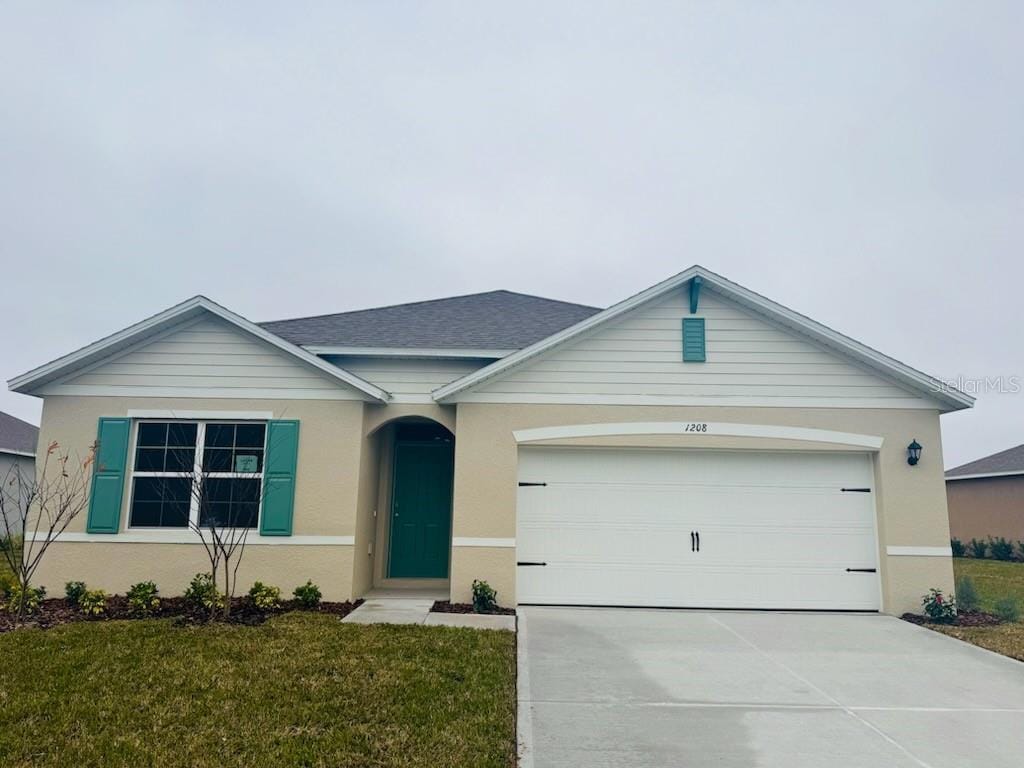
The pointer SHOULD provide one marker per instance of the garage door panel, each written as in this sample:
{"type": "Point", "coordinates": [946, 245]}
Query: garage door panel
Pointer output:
{"type": "Point", "coordinates": [776, 531]}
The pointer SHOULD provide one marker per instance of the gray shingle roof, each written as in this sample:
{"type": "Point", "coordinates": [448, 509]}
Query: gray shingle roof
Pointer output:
{"type": "Point", "coordinates": [492, 320]}
{"type": "Point", "coordinates": [17, 435]}
{"type": "Point", "coordinates": [1010, 460]}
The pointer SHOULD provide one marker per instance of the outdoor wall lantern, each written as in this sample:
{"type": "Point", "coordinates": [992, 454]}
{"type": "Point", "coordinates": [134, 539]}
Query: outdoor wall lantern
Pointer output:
{"type": "Point", "coordinates": [913, 452]}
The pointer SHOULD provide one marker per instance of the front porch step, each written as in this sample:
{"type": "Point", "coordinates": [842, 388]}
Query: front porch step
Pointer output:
{"type": "Point", "coordinates": [391, 610]}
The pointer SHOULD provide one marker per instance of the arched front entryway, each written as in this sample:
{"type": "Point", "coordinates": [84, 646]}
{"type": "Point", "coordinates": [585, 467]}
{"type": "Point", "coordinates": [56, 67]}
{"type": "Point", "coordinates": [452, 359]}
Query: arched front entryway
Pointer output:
{"type": "Point", "coordinates": [414, 510]}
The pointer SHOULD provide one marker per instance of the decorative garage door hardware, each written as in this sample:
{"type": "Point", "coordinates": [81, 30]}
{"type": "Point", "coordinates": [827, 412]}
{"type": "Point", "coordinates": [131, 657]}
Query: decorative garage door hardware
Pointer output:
{"type": "Point", "coordinates": [862, 570]}
{"type": "Point", "coordinates": [855, 490]}
{"type": "Point", "coordinates": [531, 485]}
{"type": "Point", "coordinates": [695, 541]}
{"type": "Point", "coordinates": [528, 563]}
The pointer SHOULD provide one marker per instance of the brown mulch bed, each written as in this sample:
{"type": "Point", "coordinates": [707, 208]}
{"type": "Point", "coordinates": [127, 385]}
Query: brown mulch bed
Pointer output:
{"type": "Point", "coordinates": [444, 606]}
{"type": "Point", "coordinates": [57, 611]}
{"type": "Point", "coordinates": [966, 619]}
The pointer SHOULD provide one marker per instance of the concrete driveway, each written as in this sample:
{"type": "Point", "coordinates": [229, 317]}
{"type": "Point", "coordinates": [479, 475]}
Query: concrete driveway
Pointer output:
{"type": "Point", "coordinates": [621, 687]}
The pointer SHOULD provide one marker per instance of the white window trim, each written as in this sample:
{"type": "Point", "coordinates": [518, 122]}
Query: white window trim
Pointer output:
{"type": "Point", "coordinates": [197, 468]}
{"type": "Point", "coordinates": [176, 415]}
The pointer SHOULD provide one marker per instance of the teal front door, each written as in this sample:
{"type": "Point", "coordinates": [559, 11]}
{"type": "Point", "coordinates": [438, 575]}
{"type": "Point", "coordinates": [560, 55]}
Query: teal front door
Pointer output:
{"type": "Point", "coordinates": [421, 510]}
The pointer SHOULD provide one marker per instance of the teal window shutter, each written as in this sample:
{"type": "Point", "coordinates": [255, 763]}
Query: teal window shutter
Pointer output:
{"type": "Point", "coordinates": [108, 476]}
{"type": "Point", "coordinates": [693, 340]}
{"type": "Point", "coordinates": [279, 478]}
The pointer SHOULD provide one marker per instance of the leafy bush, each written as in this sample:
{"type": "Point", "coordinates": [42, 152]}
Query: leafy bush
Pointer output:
{"type": "Point", "coordinates": [31, 597]}
{"type": "Point", "coordinates": [308, 595]}
{"type": "Point", "coordinates": [1006, 608]}
{"type": "Point", "coordinates": [265, 597]}
{"type": "Point", "coordinates": [938, 607]}
{"type": "Point", "coordinates": [485, 598]}
{"type": "Point", "coordinates": [74, 590]}
{"type": "Point", "coordinates": [1020, 555]}
{"type": "Point", "coordinates": [203, 594]}
{"type": "Point", "coordinates": [93, 602]}
{"type": "Point", "coordinates": [959, 550]}
{"type": "Point", "coordinates": [7, 583]}
{"type": "Point", "coordinates": [967, 594]}
{"type": "Point", "coordinates": [143, 598]}
{"type": "Point", "coordinates": [1001, 548]}
{"type": "Point", "coordinates": [978, 548]}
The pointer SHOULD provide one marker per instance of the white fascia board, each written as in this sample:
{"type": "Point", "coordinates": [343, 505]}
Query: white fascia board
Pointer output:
{"type": "Point", "coordinates": [179, 313]}
{"type": "Point", "coordinates": [12, 452]}
{"type": "Point", "coordinates": [982, 475]}
{"type": "Point", "coordinates": [915, 380]}
{"type": "Point", "coordinates": [413, 352]}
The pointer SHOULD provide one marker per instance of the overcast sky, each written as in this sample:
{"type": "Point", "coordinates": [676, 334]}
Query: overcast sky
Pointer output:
{"type": "Point", "coordinates": [860, 164]}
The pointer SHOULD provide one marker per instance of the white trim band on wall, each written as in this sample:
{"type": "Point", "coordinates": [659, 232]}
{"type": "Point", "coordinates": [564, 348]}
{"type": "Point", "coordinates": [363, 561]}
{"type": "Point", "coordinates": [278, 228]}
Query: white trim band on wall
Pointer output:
{"type": "Point", "coordinates": [697, 429]}
{"type": "Point", "coordinates": [919, 551]}
{"type": "Point", "coordinates": [134, 413]}
{"type": "Point", "coordinates": [188, 537]}
{"type": "Point", "coordinates": [472, 541]}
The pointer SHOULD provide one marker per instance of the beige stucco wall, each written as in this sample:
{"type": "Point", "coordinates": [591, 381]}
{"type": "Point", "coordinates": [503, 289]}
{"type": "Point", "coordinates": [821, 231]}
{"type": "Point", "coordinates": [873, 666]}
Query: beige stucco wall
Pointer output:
{"type": "Point", "coordinates": [339, 485]}
{"type": "Point", "coordinates": [327, 497]}
{"type": "Point", "coordinates": [986, 506]}
{"type": "Point", "coordinates": [911, 501]}
{"type": "Point", "coordinates": [115, 567]}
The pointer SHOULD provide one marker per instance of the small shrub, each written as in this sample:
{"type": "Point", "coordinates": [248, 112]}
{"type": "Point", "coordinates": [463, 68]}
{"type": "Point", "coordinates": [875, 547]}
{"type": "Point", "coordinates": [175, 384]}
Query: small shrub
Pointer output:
{"type": "Point", "coordinates": [1006, 608]}
{"type": "Point", "coordinates": [74, 590]}
{"type": "Point", "coordinates": [485, 598]}
{"type": "Point", "coordinates": [93, 602]}
{"type": "Point", "coordinates": [31, 598]}
{"type": "Point", "coordinates": [265, 597]}
{"type": "Point", "coordinates": [202, 594]}
{"type": "Point", "coordinates": [143, 598]}
{"type": "Point", "coordinates": [938, 607]}
{"type": "Point", "coordinates": [978, 548]}
{"type": "Point", "coordinates": [308, 595]}
{"type": "Point", "coordinates": [967, 594]}
{"type": "Point", "coordinates": [1020, 553]}
{"type": "Point", "coordinates": [7, 583]}
{"type": "Point", "coordinates": [1001, 548]}
{"type": "Point", "coordinates": [959, 550]}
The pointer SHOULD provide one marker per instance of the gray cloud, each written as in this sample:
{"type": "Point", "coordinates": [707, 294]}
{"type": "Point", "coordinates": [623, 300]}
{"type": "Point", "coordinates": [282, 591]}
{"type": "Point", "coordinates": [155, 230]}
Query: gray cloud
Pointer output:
{"type": "Point", "coordinates": [861, 164]}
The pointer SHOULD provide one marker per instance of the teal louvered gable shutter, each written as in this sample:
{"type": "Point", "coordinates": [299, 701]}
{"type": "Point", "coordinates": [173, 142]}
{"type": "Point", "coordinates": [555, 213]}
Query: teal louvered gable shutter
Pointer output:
{"type": "Point", "coordinates": [693, 340]}
{"type": "Point", "coordinates": [279, 477]}
{"type": "Point", "coordinates": [108, 476]}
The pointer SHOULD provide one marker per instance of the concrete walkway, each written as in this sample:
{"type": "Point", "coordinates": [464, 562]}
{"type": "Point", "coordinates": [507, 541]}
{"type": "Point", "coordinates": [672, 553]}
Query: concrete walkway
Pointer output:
{"type": "Point", "coordinates": [620, 687]}
{"type": "Point", "coordinates": [416, 610]}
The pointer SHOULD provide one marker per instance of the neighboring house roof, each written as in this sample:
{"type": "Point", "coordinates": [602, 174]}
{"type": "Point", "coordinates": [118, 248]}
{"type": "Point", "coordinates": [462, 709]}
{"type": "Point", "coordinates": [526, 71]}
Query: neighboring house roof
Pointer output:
{"type": "Point", "coordinates": [1008, 462]}
{"type": "Point", "coordinates": [150, 327]}
{"type": "Point", "coordinates": [497, 322]}
{"type": "Point", "coordinates": [17, 436]}
{"type": "Point", "coordinates": [910, 378]}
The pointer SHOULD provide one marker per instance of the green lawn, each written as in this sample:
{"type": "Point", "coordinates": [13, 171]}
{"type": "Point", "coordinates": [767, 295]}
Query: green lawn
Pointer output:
{"type": "Point", "coordinates": [993, 579]}
{"type": "Point", "coordinates": [300, 690]}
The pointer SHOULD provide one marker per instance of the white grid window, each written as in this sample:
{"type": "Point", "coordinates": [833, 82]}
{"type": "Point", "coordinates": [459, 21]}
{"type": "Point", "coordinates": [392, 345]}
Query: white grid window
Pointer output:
{"type": "Point", "coordinates": [187, 473]}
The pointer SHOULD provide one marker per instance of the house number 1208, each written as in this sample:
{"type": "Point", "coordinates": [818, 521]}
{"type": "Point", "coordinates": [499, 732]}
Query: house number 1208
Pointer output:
{"type": "Point", "coordinates": [694, 427]}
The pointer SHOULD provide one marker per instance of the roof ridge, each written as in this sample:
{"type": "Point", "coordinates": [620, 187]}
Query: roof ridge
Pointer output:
{"type": "Point", "coordinates": [427, 301]}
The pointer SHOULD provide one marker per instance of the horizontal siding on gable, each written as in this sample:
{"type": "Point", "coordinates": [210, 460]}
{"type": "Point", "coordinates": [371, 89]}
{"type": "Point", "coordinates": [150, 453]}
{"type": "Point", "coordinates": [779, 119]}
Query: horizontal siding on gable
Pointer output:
{"type": "Point", "coordinates": [206, 358]}
{"type": "Point", "coordinates": [750, 361]}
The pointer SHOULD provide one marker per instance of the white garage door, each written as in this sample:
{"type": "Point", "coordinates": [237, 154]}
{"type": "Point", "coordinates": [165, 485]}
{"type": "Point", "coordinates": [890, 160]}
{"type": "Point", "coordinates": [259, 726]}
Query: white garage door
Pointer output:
{"type": "Point", "coordinates": [712, 529]}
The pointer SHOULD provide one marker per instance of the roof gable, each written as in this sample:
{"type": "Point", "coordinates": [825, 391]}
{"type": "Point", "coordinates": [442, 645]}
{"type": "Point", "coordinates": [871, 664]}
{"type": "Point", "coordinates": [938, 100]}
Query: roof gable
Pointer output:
{"type": "Point", "coordinates": [175, 319]}
{"type": "Point", "coordinates": [907, 382]}
{"type": "Point", "coordinates": [500, 321]}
